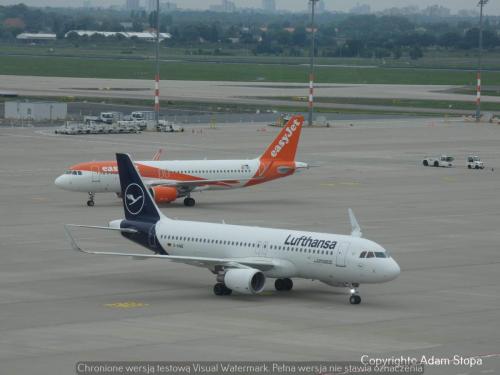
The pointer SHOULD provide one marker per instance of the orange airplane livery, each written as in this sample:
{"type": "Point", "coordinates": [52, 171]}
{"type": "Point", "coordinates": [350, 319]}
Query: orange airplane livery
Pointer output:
{"type": "Point", "coordinates": [170, 180]}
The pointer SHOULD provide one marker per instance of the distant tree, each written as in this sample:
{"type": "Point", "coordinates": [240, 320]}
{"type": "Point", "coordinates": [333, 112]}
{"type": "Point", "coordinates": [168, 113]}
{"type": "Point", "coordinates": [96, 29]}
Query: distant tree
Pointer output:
{"type": "Point", "coordinates": [299, 37]}
{"type": "Point", "coordinates": [397, 53]}
{"type": "Point", "coordinates": [450, 39]}
{"type": "Point", "coordinates": [416, 53]}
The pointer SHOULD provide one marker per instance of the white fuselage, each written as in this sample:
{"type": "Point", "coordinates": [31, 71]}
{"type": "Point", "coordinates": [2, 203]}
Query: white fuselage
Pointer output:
{"type": "Point", "coordinates": [104, 178]}
{"type": "Point", "coordinates": [330, 258]}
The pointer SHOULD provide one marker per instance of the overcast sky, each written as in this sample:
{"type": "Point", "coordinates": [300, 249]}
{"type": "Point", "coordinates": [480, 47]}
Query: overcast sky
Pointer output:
{"type": "Point", "coordinates": [492, 8]}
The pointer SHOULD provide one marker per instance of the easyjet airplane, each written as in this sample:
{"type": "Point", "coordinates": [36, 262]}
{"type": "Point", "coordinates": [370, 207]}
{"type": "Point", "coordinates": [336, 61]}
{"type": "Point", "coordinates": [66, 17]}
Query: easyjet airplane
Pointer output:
{"type": "Point", "coordinates": [241, 257]}
{"type": "Point", "coordinates": [170, 180]}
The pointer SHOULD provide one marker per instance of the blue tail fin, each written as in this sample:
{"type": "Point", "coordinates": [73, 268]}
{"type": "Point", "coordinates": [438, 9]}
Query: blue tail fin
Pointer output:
{"type": "Point", "coordinates": [137, 201]}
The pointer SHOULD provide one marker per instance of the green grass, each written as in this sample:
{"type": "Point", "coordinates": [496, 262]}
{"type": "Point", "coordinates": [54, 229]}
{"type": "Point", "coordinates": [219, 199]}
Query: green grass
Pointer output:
{"type": "Point", "coordinates": [413, 103]}
{"type": "Point", "coordinates": [143, 69]}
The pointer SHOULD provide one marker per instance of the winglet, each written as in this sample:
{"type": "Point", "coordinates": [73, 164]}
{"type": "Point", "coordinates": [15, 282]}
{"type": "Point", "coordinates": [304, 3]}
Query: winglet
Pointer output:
{"type": "Point", "coordinates": [355, 228]}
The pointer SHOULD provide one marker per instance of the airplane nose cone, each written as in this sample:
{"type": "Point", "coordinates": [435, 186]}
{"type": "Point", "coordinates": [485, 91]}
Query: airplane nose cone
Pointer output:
{"type": "Point", "coordinates": [61, 182]}
{"type": "Point", "coordinates": [393, 271]}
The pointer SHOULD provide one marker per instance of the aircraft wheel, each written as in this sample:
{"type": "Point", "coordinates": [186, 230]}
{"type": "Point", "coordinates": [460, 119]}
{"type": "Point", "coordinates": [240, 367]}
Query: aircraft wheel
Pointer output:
{"type": "Point", "coordinates": [436, 164]}
{"type": "Point", "coordinates": [288, 284]}
{"type": "Point", "coordinates": [90, 203]}
{"type": "Point", "coordinates": [281, 284]}
{"type": "Point", "coordinates": [355, 299]}
{"type": "Point", "coordinates": [227, 291]}
{"type": "Point", "coordinates": [219, 289]}
{"type": "Point", "coordinates": [426, 163]}
{"type": "Point", "coordinates": [189, 202]}
{"type": "Point", "coordinates": [469, 167]}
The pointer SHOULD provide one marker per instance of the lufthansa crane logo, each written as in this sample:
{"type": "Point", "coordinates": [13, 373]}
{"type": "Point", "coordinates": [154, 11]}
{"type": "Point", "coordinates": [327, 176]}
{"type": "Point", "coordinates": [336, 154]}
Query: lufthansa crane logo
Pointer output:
{"type": "Point", "coordinates": [134, 199]}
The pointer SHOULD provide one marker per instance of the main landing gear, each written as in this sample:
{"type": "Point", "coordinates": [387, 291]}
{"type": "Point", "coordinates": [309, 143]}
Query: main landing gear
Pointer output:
{"type": "Point", "coordinates": [91, 202]}
{"type": "Point", "coordinates": [354, 299]}
{"type": "Point", "coordinates": [189, 202]}
{"type": "Point", "coordinates": [284, 285]}
{"type": "Point", "coordinates": [220, 289]}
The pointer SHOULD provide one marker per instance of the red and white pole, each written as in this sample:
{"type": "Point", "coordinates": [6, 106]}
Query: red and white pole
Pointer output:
{"type": "Point", "coordinates": [157, 94]}
{"type": "Point", "coordinates": [478, 95]}
{"type": "Point", "coordinates": [311, 91]}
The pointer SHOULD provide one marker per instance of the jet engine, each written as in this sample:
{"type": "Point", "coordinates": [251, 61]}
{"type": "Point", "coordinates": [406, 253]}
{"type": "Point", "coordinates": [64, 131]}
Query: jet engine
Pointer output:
{"type": "Point", "coordinates": [245, 281]}
{"type": "Point", "coordinates": [164, 194]}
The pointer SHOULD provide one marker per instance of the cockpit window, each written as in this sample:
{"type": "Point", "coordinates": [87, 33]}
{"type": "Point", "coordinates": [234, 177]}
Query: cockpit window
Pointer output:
{"type": "Point", "coordinates": [363, 254]}
{"type": "Point", "coordinates": [68, 172]}
{"type": "Point", "coordinates": [380, 255]}
{"type": "Point", "coordinates": [370, 255]}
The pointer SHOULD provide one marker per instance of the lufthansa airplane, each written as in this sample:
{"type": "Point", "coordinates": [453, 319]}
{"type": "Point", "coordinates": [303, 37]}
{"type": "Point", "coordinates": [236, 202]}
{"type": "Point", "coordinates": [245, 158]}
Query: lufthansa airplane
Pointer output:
{"type": "Point", "coordinates": [170, 180]}
{"type": "Point", "coordinates": [243, 257]}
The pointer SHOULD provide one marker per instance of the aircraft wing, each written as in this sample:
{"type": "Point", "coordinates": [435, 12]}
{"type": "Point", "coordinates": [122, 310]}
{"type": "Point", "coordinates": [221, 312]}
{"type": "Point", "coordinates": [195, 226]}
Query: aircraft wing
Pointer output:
{"type": "Point", "coordinates": [192, 183]}
{"type": "Point", "coordinates": [262, 264]}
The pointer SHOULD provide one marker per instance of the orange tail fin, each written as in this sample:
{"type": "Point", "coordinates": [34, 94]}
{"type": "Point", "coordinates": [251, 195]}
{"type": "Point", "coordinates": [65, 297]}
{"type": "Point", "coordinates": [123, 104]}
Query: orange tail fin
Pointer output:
{"type": "Point", "coordinates": [284, 147]}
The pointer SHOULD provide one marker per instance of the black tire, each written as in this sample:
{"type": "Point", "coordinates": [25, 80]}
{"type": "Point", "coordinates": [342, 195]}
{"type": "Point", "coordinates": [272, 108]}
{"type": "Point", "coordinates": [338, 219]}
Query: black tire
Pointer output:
{"type": "Point", "coordinates": [354, 299]}
{"type": "Point", "coordinates": [425, 163]}
{"type": "Point", "coordinates": [219, 289]}
{"type": "Point", "coordinates": [477, 167]}
{"type": "Point", "coordinates": [280, 285]}
{"type": "Point", "coordinates": [90, 203]}
{"type": "Point", "coordinates": [469, 166]}
{"type": "Point", "coordinates": [288, 284]}
{"type": "Point", "coordinates": [227, 291]}
{"type": "Point", "coordinates": [189, 202]}
{"type": "Point", "coordinates": [436, 164]}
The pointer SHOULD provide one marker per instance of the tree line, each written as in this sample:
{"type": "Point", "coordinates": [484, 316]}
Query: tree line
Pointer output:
{"type": "Point", "coordinates": [338, 35]}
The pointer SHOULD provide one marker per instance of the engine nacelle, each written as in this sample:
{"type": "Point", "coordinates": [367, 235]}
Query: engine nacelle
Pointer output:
{"type": "Point", "coordinates": [245, 281]}
{"type": "Point", "coordinates": [164, 194]}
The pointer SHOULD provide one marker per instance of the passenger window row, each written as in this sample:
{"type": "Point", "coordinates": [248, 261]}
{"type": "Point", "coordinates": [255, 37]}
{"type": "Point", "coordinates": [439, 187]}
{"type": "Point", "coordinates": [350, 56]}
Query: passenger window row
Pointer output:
{"type": "Point", "coordinates": [209, 171]}
{"type": "Point", "coordinates": [246, 244]}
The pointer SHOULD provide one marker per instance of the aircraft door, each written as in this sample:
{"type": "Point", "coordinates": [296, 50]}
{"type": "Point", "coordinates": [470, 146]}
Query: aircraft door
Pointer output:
{"type": "Point", "coordinates": [164, 174]}
{"type": "Point", "coordinates": [341, 254]}
{"type": "Point", "coordinates": [261, 249]}
{"type": "Point", "coordinates": [95, 174]}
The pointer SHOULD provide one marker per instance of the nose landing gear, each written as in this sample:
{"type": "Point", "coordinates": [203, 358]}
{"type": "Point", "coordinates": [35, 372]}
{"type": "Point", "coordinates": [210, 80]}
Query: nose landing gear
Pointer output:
{"type": "Point", "coordinates": [354, 299]}
{"type": "Point", "coordinates": [91, 202]}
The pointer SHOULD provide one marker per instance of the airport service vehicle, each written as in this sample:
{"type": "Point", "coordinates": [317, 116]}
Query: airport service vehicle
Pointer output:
{"type": "Point", "coordinates": [474, 162]}
{"type": "Point", "coordinates": [96, 128]}
{"type": "Point", "coordinates": [169, 127]}
{"type": "Point", "coordinates": [440, 161]}
{"type": "Point", "coordinates": [143, 115]}
{"type": "Point", "coordinates": [242, 257]}
{"type": "Point", "coordinates": [104, 117]}
{"type": "Point", "coordinates": [170, 180]}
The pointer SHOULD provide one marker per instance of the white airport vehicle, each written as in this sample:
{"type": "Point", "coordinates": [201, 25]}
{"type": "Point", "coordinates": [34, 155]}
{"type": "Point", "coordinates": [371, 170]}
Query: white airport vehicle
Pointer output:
{"type": "Point", "coordinates": [474, 162]}
{"type": "Point", "coordinates": [440, 161]}
{"type": "Point", "coordinates": [104, 117]}
{"type": "Point", "coordinates": [243, 257]}
{"type": "Point", "coordinates": [169, 127]}
{"type": "Point", "coordinates": [143, 115]}
{"type": "Point", "coordinates": [110, 117]}
{"type": "Point", "coordinates": [169, 180]}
